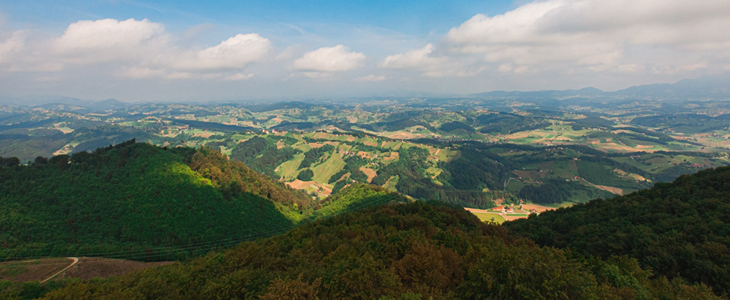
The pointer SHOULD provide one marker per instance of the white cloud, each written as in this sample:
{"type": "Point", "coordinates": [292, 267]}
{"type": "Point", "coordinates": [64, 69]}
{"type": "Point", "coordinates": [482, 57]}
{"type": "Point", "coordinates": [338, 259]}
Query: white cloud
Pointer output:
{"type": "Point", "coordinates": [233, 53]}
{"type": "Point", "coordinates": [137, 49]}
{"type": "Point", "coordinates": [11, 46]}
{"type": "Point", "coordinates": [593, 33]}
{"type": "Point", "coordinates": [141, 72]}
{"type": "Point", "coordinates": [430, 65]}
{"type": "Point", "coordinates": [419, 58]}
{"type": "Point", "coordinates": [329, 59]}
{"type": "Point", "coordinates": [370, 78]}
{"type": "Point", "coordinates": [111, 40]}
{"type": "Point", "coordinates": [239, 77]}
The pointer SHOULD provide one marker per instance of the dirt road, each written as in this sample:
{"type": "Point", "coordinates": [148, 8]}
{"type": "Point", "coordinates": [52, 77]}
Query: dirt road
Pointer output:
{"type": "Point", "coordinates": [75, 261]}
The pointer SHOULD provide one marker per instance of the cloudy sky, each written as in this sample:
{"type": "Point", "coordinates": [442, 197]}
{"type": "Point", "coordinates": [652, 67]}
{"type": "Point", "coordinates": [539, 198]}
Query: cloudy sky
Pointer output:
{"type": "Point", "coordinates": [182, 50]}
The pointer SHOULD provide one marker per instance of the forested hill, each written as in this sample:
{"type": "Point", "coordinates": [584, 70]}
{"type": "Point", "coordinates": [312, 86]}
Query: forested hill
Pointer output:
{"type": "Point", "coordinates": [139, 201]}
{"type": "Point", "coordinates": [398, 251]}
{"type": "Point", "coordinates": [676, 229]}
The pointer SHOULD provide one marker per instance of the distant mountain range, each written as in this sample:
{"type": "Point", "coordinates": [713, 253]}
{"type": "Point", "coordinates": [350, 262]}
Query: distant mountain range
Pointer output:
{"type": "Point", "coordinates": [713, 87]}
{"type": "Point", "coordinates": [708, 87]}
{"type": "Point", "coordinates": [64, 103]}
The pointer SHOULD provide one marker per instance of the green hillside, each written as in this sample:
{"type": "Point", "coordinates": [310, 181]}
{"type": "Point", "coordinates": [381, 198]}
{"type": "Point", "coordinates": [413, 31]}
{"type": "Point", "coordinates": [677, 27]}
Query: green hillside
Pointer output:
{"type": "Point", "coordinates": [139, 201]}
{"type": "Point", "coordinates": [678, 229]}
{"type": "Point", "coordinates": [399, 251]}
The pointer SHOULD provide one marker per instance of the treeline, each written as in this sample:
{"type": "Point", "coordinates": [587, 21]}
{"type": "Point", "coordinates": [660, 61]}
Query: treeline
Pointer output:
{"type": "Point", "coordinates": [262, 155]}
{"type": "Point", "coordinates": [411, 168]}
{"type": "Point", "coordinates": [403, 251]}
{"type": "Point", "coordinates": [557, 191]}
{"type": "Point", "coordinates": [140, 202]}
{"type": "Point", "coordinates": [314, 154]}
{"type": "Point", "coordinates": [679, 229]}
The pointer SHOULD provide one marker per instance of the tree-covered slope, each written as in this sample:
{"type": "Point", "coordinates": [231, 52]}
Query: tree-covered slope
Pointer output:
{"type": "Point", "coordinates": [138, 201]}
{"type": "Point", "coordinates": [398, 251]}
{"type": "Point", "coordinates": [676, 229]}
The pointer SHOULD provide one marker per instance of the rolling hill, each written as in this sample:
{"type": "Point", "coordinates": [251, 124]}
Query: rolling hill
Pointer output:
{"type": "Point", "coordinates": [677, 229]}
{"type": "Point", "coordinates": [142, 202]}
{"type": "Point", "coordinates": [398, 251]}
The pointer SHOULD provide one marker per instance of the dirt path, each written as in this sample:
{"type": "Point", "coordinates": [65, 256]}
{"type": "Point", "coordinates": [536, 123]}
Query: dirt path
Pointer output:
{"type": "Point", "coordinates": [610, 189]}
{"type": "Point", "coordinates": [75, 261]}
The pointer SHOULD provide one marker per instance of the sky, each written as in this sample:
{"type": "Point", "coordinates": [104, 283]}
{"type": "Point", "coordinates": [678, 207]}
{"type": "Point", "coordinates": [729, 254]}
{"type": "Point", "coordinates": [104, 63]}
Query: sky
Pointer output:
{"type": "Point", "coordinates": [136, 50]}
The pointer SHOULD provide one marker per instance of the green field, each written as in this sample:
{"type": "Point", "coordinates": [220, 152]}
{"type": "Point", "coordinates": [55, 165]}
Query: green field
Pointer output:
{"type": "Point", "coordinates": [289, 169]}
{"type": "Point", "coordinates": [325, 170]}
{"type": "Point", "coordinates": [487, 217]}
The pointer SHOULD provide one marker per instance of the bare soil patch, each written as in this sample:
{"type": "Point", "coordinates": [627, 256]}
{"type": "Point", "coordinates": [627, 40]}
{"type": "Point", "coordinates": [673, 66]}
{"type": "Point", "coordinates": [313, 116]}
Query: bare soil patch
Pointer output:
{"type": "Point", "coordinates": [93, 267]}
{"type": "Point", "coordinates": [300, 185]}
{"type": "Point", "coordinates": [369, 172]}
{"type": "Point", "coordinates": [204, 134]}
{"type": "Point", "coordinates": [512, 218]}
{"type": "Point", "coordinates": [364, 154]}
{"type": "Point", "coordinates": [370, 144]}
{"type": "Point", "coordinates": [393, 155]}
{"type": "Point", "coordinates": [538, 208]}
{"type": "Point", "coordinates": [86, 268]}
{"type": "Point", "coordinates": [315, 145]}
{"type": "Point", "coordinates": [610, 189]}
{"type": "Point", "coordinates": [32, 270]}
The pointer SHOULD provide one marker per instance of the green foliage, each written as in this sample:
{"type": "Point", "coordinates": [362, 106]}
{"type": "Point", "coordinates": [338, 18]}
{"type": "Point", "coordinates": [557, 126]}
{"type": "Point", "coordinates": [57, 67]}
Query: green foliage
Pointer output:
{"type": "Point", "coordinates": [305, 175]}
{"type": "Point", "coordinates": [137, 201]}
{"type": "Point", "coordinates": [558, 191]}
{"type": "Point", "coordinates": [602, 174]}
{"type": "Point", "coordinates": [465, 178]}
{"type": "Point", "coordinates": [262, 155]}
{"type": "Point", "coordinates": [399, 251]}
{"type": "Point", "coordinates": [677, 230]}
{"type": "Point", "coordinates": [452, 126]}
{"type": "Point", "coordinates": [314, 154]}
{"type": "Point", "coordinates": [31, 290]}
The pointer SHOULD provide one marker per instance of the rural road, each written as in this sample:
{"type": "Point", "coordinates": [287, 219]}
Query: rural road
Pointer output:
{"type": "Point", "coordinates": [75, 261]}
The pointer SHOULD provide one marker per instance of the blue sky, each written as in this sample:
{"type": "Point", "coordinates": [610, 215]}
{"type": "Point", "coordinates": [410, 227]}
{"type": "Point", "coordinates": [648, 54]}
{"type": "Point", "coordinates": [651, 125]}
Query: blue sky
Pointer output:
{"type": "Point", "coordinates": [228, 50]}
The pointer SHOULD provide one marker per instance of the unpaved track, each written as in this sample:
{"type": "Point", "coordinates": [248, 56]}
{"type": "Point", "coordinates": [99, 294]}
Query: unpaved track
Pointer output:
{"type": "Point", "coordinates": [75, 261]}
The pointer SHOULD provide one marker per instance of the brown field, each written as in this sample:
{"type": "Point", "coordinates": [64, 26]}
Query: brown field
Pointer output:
{"type": "Point", "coordinates": [476, 210]}
{"type": "Point", "coordinates": [393, 155]}
{"type": "Point", "coordinates": [315, 145]}
{"type": "Point", "coordinates": [351, 138]}
{"type": "Point", "coordinates": [332, 143]}
{"type": "Point", "coordinates": [320, 135]}
{"type": "Point", "coordinates": [610, 189]}
{"type": "Point", "coordinates": [86, 268]}
{"type": "Point", "coordinates": [370, 144]}
{"type": "Point", "coordinates": [364, 154]}
{"type": "Point", "coordinates": [301, 185]}
{"type": "Point", "coordinates": [512, 218]}
{"type": "Point", "coordinates": [644, 146]}
{"type": "Point", "coordinates": [93, 267]}
{"type": "Point", "coordinates": [538, 208]}
{"type": "Point", "coordinates": [370, 172]}
{"type": "Point", "coordinates": [206, 134]}
{"type": "Point", "coordinates": [31, 270]}
{"type": "Point", "coordinates": [280, 144]}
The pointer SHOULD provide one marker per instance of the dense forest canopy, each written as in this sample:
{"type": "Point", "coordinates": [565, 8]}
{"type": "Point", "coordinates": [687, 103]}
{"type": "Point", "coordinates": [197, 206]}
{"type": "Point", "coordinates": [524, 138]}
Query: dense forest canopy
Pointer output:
{"type": "Point", "coordinates": [139, 201]}
{"type": "Point", "coordinates": [678, 229]}
{"type": "Point", "coordinates": [397, 251]}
